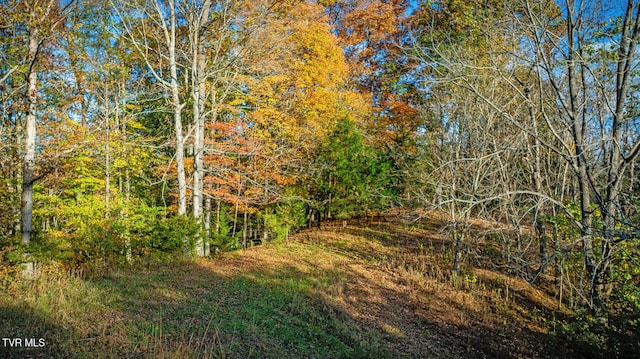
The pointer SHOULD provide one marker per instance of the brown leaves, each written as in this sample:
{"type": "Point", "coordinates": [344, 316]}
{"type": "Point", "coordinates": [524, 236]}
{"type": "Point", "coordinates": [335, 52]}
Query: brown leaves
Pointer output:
{"type": "Point", "coordinates": [373, 21]}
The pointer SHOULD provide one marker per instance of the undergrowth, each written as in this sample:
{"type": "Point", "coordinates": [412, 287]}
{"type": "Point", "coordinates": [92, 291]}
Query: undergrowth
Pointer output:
{"type": "Point", "coordinates": [380, 291]}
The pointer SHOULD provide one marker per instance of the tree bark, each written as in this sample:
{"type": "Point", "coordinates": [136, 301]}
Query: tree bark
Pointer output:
{"type": "Point", "coordinates": [235, 220]}
{"type": "Point", "coordinates": [616, 163]}
{"type": "Point", "coordinates": [198, 63]}
{"type": "Point", "coordinates": [177, 111]}
{"type": "Point", "coordinates": [107, 152]}
{"type": "Point", "coordinates": [207, 226]}
{"type": "Point", "coordinates": [26, 203]}
{"type": "Point", "coordinates": [244, 229]}
{"type": "Point", "coordinates": [458, 239]}
{"type": "Point", "coordinates": [217, 217]}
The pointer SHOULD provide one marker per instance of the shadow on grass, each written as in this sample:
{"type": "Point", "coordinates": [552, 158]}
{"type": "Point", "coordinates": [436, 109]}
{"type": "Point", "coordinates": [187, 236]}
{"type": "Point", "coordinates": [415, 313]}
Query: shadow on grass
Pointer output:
{"type": "Point", "coordinates": [187, 310]}
{"type": "Point", "coordinates": [410, 330]}
{"type": "Point", "coordinates": [191, 311]}
{"type": "Point", "coordinates": [409, 326]}
{"type": "Point", "coordinates": [242, 308]}
{"type": "Point", "coordinates": [27, 334]}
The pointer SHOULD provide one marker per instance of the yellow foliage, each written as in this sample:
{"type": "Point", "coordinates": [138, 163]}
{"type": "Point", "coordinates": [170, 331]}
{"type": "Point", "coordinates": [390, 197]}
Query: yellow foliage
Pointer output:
{"type": "Point", "coordinates": [302, 93]}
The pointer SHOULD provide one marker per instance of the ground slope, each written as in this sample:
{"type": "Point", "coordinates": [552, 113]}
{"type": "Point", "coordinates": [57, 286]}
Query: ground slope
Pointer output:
{"type": "Point", "coordinates": [381, 290]}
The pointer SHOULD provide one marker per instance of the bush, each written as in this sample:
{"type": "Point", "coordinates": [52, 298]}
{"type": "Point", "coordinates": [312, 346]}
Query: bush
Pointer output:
{"type": "Point", "coordinates": [285, 218]}
{"type": "Point", "coordinates": [85, 233]}
{"type": "Point", "coordinates": [608, 334]}
{"type": "Point", "coordinates": [174, 235]}
{"type": "Point", "coordinates": [222, 241]}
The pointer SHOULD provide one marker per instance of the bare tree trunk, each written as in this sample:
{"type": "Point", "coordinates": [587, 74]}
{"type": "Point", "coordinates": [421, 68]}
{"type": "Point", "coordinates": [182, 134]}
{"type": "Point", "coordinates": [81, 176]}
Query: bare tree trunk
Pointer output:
{"type": "Point", "coordinates": [542, 238]}
{"type": "Point", "coordinates": [244, 230]}
{"type": "Point", "coordinates": [30, 139]}
{"type": "Point", "coordinates": [539, 222]}
{"type": "Point", "coordinates": [616, 162]}
{"type": "Point", "coordinates": [16, 187]}
{"type": "Point", "coordinates": [26, 204]}
{"type": "Point", "coordinates": [217, 217]}
{"type": "Point", "coordinates": [198, 63]}
{"type": "Point", "coordinates": [207, 226]}
{"type": "Point", "coordinates": [140, 41]}
{"type": "Point", "coordinates": [177, 110]}
{"type": "Point", "coordinates": [235, 221]}
{"type": "Point", "coordinates": [265, 233]}
{"type": "Point", "coordinates": [257, 231]}
{"type": "Point", "coordinates": [632, 176]}
{"type": "Point", "coordinates": [458, 239]}
{"type": "Point", "coordinates": [107, 151]}
{"type": "Point", "coordinates": [580, 163]}
{"type": "Point", "coordinates": [123, 131]}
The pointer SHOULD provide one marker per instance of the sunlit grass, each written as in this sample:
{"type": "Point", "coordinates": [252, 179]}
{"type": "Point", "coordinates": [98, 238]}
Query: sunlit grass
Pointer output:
{"type": "Point", "coordinates": [382, 291]}
{"type": "Point", "coordinates": [183, 310]}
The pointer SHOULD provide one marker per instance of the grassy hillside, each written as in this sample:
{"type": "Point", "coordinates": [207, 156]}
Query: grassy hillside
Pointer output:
{"type": "Point", "coordinates": [382, 290]}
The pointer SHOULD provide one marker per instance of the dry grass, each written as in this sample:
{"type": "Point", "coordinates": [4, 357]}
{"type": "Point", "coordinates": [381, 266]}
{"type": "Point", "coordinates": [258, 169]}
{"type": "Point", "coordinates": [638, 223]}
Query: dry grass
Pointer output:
{"type": "Point", "coordinates": [379, 291]}
{"type": "Point", "coordinates": [399, 281]}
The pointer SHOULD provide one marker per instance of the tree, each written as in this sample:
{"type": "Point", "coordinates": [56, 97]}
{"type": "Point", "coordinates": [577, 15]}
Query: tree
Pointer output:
{"type": "Point", "coordinates": [152, 30]}
{"type": "Point", "coordinates": [595, 94]}
{"type": "Point", "coordinates": [296, 91]}
{"type": "Point", "coordinates": [574, 95]}
{"type": "Point", "coordinates": [212, 39]}
{"type": "Point", "coordinates": [41, 21]}
{"type": "Point", "coordinates": [198, 19]}
{"type": "Point", "coordinates": [350, 178]}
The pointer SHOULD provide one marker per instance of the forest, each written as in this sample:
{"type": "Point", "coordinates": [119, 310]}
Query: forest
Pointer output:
{"type": "Point", "coordinates": [307, 151]}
